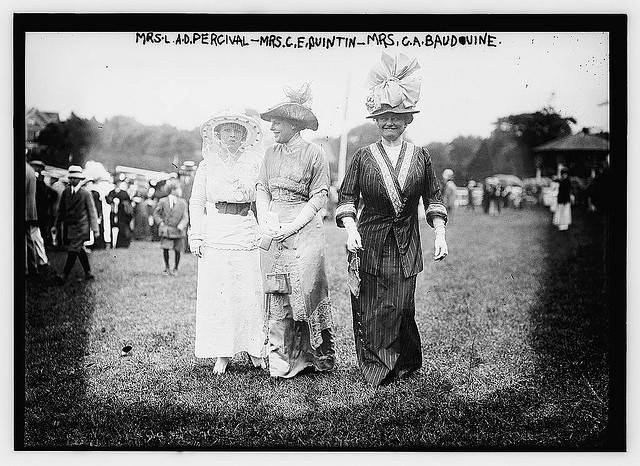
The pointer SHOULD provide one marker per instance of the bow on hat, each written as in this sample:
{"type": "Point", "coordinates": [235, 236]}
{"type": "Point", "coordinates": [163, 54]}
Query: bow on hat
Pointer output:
{"type": "Point", "coordinates": [393, 82]}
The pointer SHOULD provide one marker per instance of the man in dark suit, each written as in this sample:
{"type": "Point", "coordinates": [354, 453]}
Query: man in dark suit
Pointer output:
{"type": "Point", "coordinates": [172, 216]}
{"type": "Point", "coordinates": [77, 217]}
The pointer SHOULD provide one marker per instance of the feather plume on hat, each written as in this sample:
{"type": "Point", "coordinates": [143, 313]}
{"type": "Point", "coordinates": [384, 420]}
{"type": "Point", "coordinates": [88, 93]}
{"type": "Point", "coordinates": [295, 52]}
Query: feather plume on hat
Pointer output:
{"type": "Point", "coordinates": [394, 85]}
{"type": "Point", "coordinates": [296, 108]}
{"type": "Point", "coordinates": [302, 96]}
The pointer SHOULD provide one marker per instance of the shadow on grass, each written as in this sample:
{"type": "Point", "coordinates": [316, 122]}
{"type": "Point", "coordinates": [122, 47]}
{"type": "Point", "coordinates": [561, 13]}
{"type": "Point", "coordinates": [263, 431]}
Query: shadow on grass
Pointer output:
{"type": "Point", "coordinates": [572, 339]}
{"type": "Point", "coordinates": [565, 406]}
{"type": "Point", "coordinates": [57, 322]}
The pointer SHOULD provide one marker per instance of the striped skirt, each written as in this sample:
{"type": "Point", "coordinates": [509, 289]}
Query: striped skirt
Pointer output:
{"type": "Point", "coordinates": [385, 330]}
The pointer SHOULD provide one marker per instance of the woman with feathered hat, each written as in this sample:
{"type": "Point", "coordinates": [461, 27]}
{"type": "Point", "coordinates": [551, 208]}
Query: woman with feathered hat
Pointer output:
{"type": "Point", "coordinates": [292, 188]}
{"type": "Point", "coordinates": [389, 177]}
{"type": "Point", "coordinates": [224, 236]}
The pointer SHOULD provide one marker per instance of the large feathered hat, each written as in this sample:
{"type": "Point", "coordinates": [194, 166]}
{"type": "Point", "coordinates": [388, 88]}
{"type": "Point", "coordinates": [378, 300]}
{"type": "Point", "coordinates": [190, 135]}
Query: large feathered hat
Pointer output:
{"type": "Point", "coordinates": [394, 85]}
{"type": "Point", "coordinates": [296, 108]}
{"type": "Point", "coordinates": [211, 140]}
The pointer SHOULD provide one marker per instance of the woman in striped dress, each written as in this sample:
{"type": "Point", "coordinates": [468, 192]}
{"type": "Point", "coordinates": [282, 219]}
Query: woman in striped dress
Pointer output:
{"type": "Point", "coordinates": [390, 176]}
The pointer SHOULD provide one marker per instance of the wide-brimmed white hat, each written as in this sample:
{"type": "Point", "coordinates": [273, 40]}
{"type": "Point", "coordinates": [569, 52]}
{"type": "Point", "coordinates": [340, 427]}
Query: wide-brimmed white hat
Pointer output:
{"type": "Point", "coordinates": [231, 115]}
{"type": "Point", "coordinates": [75, 171]}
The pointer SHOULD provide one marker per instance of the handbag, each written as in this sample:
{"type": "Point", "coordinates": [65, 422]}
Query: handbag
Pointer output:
{"type": "Point", "coordinates": [277, 283]}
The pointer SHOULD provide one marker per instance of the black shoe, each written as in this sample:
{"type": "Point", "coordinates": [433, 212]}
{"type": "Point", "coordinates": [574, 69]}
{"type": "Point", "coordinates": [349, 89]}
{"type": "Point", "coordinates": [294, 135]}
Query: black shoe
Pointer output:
{"type": "Point", "coordinates": [89, 277]}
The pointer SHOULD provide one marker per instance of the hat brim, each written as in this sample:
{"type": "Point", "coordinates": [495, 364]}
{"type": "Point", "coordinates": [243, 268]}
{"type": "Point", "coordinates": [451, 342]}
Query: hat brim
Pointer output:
{"type": "Point", "coordinates": [396, 110]}
{"type": "Point", "coordinates": [294, 112]}
{"type": "Point", "coordinates": [77, 177]}
{"type": "Point", "coordinates": [254, 132]}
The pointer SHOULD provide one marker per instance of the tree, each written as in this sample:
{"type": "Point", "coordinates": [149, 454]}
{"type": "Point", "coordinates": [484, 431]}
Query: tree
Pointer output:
{"type": "Point", "coordinates": [509, 148]}
{"type": "Point", "coordinates": [68, 142]}
{"type": "Point", "coordinates": [482, 164]}
{"type": "Point", "coordinates": [125, 141]}
{"type": "Point", "coordinates": [81, 136]}
{"type": "Point", "coordinates": [440, 156]}
{"type": "Point", "coordinates": [536, 128]}
{"type": "Point", "coordinates": [53, 142]}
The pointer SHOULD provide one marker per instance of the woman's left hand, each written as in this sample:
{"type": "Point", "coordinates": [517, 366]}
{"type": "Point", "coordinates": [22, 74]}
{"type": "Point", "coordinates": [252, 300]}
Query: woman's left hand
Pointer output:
{"type": "Point", "coordinates": [440, 248]}
{"type": "Point", "coordinates": [283, 233]}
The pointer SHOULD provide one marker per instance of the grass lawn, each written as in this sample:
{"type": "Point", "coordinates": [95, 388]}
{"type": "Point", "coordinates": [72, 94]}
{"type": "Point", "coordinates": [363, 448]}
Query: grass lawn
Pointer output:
{"type": "Point", "coordinates": [514, 327]}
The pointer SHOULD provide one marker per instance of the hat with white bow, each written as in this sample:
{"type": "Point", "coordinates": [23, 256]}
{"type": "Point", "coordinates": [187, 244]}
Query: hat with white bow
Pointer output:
{"type": "Point", "coordinates": [394, 85]}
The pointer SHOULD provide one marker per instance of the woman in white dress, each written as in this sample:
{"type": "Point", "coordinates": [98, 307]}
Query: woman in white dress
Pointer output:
{"type": "Point", "coordinates": [224, 236]}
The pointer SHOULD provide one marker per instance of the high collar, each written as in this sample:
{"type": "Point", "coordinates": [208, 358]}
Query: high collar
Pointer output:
{"type": "Point", "coordinates": [292, 144]}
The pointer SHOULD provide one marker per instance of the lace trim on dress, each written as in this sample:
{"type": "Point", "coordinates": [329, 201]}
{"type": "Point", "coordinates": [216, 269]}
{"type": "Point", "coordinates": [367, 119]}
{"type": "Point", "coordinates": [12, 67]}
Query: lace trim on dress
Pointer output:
{"type": "Point", "coordinates": [320, 319]}
{"type": "Point", "coordinates": [295, 299]}
{"type": "Point", "coordinates": [279, 182]}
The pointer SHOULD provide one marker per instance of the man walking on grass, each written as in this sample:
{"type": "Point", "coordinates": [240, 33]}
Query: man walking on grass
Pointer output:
{"type": "Point", "coordinates": [77, 217]}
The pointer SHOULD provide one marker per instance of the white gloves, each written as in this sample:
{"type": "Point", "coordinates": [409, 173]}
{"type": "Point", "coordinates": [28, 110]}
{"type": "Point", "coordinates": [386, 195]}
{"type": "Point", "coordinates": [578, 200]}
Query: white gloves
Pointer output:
{"type": "Point", "coordinates": [305, 216]}
{"type": "Point", "coordinates": [440, 249]}
{"type": "Point", "coordinates": [354, 241]}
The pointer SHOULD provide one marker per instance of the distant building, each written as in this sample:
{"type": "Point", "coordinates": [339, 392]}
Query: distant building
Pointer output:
{"type": "Point", "coordinates": [583, 154]}
{"type": "Point", "coordinates": [36, 122]}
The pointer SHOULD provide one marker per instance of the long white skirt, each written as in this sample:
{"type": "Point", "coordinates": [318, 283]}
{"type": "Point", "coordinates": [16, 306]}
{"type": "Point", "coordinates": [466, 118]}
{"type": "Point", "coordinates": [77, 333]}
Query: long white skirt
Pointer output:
{"type": "Point", "coordinates": [229, 311]}
{"type": "Point", "coordinates": [562, 215]}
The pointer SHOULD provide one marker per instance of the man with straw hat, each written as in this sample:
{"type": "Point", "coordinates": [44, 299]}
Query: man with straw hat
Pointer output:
{"type": "Point", "coordinates": [390, 176]}
{"type": "Point", "coordinates": [77, 217]}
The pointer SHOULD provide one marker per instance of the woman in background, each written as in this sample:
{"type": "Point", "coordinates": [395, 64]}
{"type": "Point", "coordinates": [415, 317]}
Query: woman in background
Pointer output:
{"type": "Point", "coordinates": [562, 215]}
{"type": "Point", "coordinates": [121, 215]}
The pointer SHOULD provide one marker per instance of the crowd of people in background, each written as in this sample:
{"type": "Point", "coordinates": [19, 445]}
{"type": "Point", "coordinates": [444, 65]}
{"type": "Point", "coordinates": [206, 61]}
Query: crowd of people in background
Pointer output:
{"type": "Point", "coordinates": [125, 209]}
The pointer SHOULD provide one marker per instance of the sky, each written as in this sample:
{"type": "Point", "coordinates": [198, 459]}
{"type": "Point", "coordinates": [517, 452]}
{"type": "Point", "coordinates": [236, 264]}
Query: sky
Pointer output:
{"type": "Point", "coordinates": [464, 88]}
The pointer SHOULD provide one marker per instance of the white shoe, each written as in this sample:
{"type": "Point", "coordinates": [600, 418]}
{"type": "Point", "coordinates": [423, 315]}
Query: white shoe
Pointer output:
{"type": "Point", "coordinates": [221, 365]}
